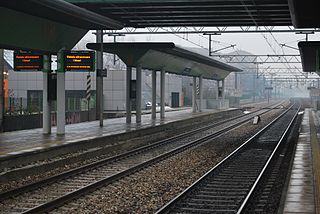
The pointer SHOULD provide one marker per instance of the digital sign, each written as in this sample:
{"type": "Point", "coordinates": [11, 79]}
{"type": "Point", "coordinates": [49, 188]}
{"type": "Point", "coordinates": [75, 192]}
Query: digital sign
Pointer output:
{"type": "Point", "coordinates": [79, 60]}
{"type": "Point", "coordinates": [27, 61]}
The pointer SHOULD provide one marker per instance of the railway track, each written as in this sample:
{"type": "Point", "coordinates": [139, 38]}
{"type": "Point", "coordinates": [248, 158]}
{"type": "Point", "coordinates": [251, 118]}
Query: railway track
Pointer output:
{"type": "Point", "coordinates": [23, 169]}
{"type": "Point", "coordinates": [14, 167]}
{"type": "Point", "coordinates": [227, 187]}
{"type": "Point", "coordinates": [34, 198]}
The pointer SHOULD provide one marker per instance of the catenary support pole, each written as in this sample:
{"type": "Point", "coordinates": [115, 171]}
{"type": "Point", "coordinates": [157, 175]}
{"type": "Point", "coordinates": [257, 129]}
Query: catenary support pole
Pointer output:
{"type": "Point", "coordinates": [128, 98]}
{"type": "Point", "coordinates": [162, 93]}
{"type": "Point", "coordinates": [254, 87]}
{"type": "Point", "coordinates": [46, 103]}
{"type": "Point", "coordinates": [154, 95]}
{"type": "Point", "coordinates": [99, 85]}
{"type": "Point", "coordinates": [200, 93]}
{"type": "Point", "coordinates": [194, 95]}
{"type": "Point", "coordinates": [138, 95]}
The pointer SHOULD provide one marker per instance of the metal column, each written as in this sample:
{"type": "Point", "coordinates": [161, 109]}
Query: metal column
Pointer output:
{"type": "Point", "coordinates": [236, 81]}
{"type": "Point", "coordinates": [128, 99]}
{"type": "Point", "coordinates": [200, 93]}
{"type": "Point", "coordinates": [99, 85]}
{"type": "Point", "coordinates": [254, 88]}
{"type": "Point", "coordinates": [162, 93]}
{"type": "Point", "coordinates": [194, 95]}
{"type": "Point", "coordinates": [154, 95]}
{"type": "Point", "coordinates": [46, 104]}
{"type": "Point", "coordinates": [61, 101]}
{"type": "Point", "coordinates": [222, 91]}
{"type": "Point", "coordinates": [138, 96]}
{"type": "Point", "coordinates": [1, 90]}
{"type": "Point", "coordinates": [217, 97]}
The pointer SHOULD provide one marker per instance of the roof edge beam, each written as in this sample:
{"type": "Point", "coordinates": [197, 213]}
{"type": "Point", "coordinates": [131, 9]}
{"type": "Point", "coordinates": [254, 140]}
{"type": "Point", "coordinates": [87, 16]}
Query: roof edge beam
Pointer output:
{"type": "Point", "coordinates": [292, 13]}
{"type": "Point", "coordinates": [80, 13]}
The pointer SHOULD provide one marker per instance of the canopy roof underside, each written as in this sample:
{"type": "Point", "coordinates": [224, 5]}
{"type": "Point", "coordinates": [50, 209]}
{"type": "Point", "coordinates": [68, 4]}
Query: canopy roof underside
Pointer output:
{"type": "Point", "coordinates": [309, 52]}
{"type": "Point", "coordinates": [159, 13]}
{"type": "Point", "coordinates": [168, 57]}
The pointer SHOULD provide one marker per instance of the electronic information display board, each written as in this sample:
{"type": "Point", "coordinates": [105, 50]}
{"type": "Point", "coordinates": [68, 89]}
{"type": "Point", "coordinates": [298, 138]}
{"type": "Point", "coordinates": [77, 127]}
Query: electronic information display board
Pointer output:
{"type": "Point", "coordinates": [79, 60]}
{"type": "Point", "coordinates": [27, 61]}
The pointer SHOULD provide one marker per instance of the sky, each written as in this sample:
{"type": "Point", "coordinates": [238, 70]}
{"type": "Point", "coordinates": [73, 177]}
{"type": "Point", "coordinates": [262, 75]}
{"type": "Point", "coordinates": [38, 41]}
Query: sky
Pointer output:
{"type": "Point", "coordinates": [255, 43]}
{"type": "Point", "coordinates": [250, 42]}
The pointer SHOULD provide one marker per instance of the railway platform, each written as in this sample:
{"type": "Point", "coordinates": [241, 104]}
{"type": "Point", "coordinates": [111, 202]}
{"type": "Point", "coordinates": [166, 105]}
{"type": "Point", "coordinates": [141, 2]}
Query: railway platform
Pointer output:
{"type": "Point", "coordinates": [304, 185]}
{"type": "Point", "coordinates": [26, 141]}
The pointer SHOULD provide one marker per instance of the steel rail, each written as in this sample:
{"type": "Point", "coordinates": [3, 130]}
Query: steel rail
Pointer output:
{"type": "Point", "coordinates": [28, 187]}
{"type": "Point", "coordinates": [91, 187]}
{"type": "Point", "coordinates": [263, 171]}
{"type": "Point", "coordinates": [166, 208]}
{"type": "Point", "coordinates": [71, 195]}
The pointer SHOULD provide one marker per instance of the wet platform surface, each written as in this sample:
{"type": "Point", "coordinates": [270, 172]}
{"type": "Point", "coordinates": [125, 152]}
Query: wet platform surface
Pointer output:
{"type": "Point", "coordinates": [17, 142]}
{"type": "Point", "coordinates": [301, 194]}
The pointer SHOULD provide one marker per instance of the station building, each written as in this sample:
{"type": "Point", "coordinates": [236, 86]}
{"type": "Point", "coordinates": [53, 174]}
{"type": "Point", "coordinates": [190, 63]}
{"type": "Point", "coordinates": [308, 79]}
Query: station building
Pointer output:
{"type": "Point", "coordinates": [25, 89]}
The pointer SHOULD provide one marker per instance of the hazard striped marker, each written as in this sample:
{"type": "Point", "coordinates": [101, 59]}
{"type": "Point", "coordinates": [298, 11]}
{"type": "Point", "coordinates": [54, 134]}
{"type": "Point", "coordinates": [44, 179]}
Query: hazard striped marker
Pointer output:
{"type": "Point", "coordinates": [197, 89]}
{"type": "Point", "coordinates": [88, 91]}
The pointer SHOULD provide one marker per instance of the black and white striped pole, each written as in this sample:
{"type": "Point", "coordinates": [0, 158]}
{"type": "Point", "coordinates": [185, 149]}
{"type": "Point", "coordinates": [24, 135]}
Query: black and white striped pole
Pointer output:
{"type": "Point", "coordinates": [88, 93]}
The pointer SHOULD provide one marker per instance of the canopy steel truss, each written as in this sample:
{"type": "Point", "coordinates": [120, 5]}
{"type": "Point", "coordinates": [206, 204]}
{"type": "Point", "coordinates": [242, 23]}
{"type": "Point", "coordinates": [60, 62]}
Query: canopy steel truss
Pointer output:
{"type": "Point", "coordinates": [210, 30]}
{"type": "Point", "coordinates": [277, 69]}
{"type": "Point", "coordinates": [260, 59]}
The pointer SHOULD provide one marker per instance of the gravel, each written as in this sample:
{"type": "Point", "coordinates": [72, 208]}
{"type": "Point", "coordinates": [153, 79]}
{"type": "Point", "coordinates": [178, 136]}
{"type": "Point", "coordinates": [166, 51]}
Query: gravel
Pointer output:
{"type": "Point", "coordinates": [113, 150]}
{"type": "Point", "coordinates": [149, 189]}
{"type": "Point", "coordinates": [108, 151]}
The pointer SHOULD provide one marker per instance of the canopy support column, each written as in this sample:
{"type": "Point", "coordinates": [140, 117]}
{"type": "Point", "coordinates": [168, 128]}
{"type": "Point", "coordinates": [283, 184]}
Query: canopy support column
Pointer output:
{"type": "Point", "coordinates": [128, 97]}
{"type": "Point", "coordinates": [61, 103]}
{"type": "Point", "coordinates": [222, 90]}
{"type": "Point", "coordinates": [254, 87]}
{"type": "Point", "coordinates": [162, 93]}
{"type": "Point", "coordinates": [154, 95]}
{"type": "Point", "coordinates": [200, 93]}
{"type": "Point", "coordinates": [46, 103]}
{"type": "Point", "coordinates": [217, 90]}
{"type": "Point", "coordinates": [236, 81]}
{"type": "Point", "coordinates": [194, 95]}
{"type": "Point", "coordinates": [138, 95]}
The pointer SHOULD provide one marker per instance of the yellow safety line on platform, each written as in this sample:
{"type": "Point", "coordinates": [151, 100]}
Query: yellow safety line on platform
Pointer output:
{"type": "Point", "coordinates": [316, 161]}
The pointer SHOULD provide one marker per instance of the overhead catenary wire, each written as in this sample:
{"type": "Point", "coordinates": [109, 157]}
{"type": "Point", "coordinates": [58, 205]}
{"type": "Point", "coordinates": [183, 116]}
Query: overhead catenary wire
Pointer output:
{"type": "Point", "coordinates": [266, 39]}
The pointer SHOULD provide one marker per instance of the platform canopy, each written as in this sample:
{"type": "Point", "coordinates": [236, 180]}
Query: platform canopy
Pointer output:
{"type": "Point", "coordinates": [168, 57]}
{"type": "Point", "coordinates": [160, 13]}
{"type": "Point", "coordinates": [305, 14]}
{"type": "Point", "coordinates": [309, 52]}
{"type": "Point", "coordinates": [47, 25]}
